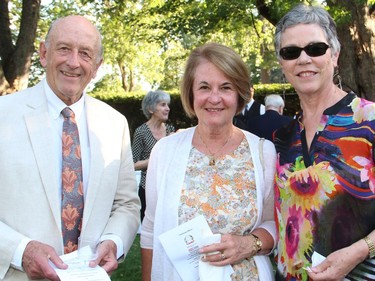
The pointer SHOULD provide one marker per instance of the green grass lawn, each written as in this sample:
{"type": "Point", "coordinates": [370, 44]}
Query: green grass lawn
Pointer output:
{"type": "Point", "coordinates": [130, 268]}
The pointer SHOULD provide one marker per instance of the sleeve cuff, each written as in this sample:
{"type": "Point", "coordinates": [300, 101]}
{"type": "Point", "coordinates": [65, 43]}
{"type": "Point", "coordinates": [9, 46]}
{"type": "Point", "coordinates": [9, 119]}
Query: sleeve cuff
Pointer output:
{"type": "Point", "coordinates": [118, 242]}
{"type": "Point", "coordinates": [16, 262]}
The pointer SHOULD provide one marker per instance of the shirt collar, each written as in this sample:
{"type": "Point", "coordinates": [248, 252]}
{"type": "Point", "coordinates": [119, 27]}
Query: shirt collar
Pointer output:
{"type": "Point", "coordinates": [345, 101]}
{"type": "Point", "coordinates": [249, 104]}
{"type": "Point", "coordinates": [56, 105]}
{"type": "Point", "coordinates": [333, 110]}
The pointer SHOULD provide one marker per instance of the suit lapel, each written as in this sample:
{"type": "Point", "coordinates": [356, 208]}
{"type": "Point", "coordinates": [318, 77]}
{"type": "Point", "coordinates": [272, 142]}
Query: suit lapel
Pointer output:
{"type": "Point", "coordinates": [37, 120]}
{"type": "Point", "coordinates": [95, 132]}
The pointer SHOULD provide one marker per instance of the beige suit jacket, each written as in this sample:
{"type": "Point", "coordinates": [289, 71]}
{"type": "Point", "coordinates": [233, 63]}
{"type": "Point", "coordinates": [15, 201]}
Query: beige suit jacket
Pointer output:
{"type": "Point", "coordinates": [29, 194]}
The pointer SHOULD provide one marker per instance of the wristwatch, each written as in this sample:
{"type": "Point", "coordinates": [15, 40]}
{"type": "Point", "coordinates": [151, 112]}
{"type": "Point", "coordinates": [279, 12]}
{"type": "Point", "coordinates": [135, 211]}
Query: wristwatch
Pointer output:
{"type": "Point", "coordinates": [258, 243]}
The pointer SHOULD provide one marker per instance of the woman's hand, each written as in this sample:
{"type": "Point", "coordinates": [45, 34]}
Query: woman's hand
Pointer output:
{"type": "Point", "coordinates": [232, 249]}
{"type": "Point", "coordinates": [339, 263]}
{"type": "Point", "coordinates": [141, 165]}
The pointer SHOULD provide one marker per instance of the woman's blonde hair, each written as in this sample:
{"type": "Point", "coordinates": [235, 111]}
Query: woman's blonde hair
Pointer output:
{"type": "Point", "coordinates": [225, 59]}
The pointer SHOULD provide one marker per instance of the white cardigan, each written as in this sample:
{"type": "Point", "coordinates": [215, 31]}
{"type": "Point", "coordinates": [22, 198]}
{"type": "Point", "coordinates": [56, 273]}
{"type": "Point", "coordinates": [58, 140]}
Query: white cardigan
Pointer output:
{"type": "Point", "coordinates": [165, 176]}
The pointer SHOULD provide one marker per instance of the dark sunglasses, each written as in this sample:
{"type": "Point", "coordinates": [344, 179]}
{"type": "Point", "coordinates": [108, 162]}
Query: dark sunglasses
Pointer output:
{"type": "Point", "coordinates": [313, 50]}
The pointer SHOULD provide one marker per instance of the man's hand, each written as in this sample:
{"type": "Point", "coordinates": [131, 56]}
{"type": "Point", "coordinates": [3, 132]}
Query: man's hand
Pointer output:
{"type": "Point", "coordinates": [107, 259]}
{"type": "Point", "coordinates": [35, 261]}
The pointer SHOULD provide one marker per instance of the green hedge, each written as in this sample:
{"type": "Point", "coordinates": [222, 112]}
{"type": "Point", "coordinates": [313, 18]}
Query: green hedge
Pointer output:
{"type": "Point", "coordinates": [130, 104]}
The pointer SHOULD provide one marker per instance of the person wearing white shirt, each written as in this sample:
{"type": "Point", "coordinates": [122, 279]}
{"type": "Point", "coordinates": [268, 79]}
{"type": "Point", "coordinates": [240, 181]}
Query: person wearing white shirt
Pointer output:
{"type": "Point", "coordinates": [213, 169]}
{"type": "Point", "coordinates": [252, 109]}
{"type": "Point", "coordinates": [31, 162]}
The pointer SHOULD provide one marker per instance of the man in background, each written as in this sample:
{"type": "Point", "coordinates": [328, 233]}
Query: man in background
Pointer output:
{"type": "Point", "coordinates": [66, 165]}
{"type": "Point", "coordinates": [264, 125]}
{"type": "Point", "coordinates": [252, 109]}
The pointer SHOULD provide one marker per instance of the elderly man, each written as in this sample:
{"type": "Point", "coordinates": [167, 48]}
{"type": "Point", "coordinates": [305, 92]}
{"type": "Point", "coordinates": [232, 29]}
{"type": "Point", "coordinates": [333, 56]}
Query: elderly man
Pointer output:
{"type": "Point", "coordinates": [66, 163]}
{"type": "Point", "coordinates": [264, 125]}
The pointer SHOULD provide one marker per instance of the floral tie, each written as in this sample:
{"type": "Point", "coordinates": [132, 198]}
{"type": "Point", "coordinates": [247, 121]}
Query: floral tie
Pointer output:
{"type": "Point", "coordinates": [72, 186]}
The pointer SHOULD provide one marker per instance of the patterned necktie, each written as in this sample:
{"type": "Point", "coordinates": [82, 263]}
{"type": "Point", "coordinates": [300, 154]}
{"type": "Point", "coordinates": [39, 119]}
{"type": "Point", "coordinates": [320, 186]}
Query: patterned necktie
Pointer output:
{"type": "Point", "coordinates": [72, 186]}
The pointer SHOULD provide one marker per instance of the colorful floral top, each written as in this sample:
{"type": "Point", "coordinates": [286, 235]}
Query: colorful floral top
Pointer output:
{"type": "Point", "coordinates": [225, 194]}
{"type": "Point", "coordinates": [325, 197]}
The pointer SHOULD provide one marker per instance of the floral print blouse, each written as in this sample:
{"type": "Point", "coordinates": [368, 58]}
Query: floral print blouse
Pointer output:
{"type": "Point", "coordinates": [325, 196]}
{"type": "Point", "coordinates": [225, 194]}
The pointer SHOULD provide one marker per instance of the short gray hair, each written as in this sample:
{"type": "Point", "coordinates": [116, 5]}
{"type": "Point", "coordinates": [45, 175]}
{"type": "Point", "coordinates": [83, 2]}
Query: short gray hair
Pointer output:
{"type": "Point", "coordinates": [151, 100]}
{"type": "Point", "coordinates": [274, 101]}
{"type": "Point", "coordinates": [304, 14]}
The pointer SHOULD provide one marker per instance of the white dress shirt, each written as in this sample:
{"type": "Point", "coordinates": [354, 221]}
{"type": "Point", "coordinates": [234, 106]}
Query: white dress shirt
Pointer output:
{"type": "Point", "coordinates": [250, 103]}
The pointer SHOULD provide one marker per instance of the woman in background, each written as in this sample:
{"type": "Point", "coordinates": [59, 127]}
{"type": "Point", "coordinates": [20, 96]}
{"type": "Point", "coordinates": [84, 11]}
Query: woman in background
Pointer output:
{"type": "Point", "coordinates": [155, 106]}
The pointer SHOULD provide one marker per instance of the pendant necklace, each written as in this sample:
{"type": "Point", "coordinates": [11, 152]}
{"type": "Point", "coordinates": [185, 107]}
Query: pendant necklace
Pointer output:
{"type": "Point", "coordinates": [212, 156]}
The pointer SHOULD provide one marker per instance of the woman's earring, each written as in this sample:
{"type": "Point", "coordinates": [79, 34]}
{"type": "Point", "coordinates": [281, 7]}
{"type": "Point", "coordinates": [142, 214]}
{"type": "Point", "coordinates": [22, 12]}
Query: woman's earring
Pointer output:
{"type": "Point", "coordinates": [337, 78]}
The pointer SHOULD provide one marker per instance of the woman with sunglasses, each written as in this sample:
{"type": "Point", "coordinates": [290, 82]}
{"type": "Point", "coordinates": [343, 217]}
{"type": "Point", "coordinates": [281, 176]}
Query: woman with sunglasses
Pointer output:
{"type": "Point", "coordinates": [325, 182]}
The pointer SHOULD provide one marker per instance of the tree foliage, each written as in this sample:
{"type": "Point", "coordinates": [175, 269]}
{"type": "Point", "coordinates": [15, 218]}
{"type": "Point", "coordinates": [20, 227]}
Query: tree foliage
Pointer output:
{"type": "Point", "coordinates": [16, 50]}
{"type": "Point", "coordinates": [147, 41]}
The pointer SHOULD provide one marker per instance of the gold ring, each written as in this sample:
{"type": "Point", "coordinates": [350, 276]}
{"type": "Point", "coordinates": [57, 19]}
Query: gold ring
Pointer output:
{"type": "Point", "coordinates": [223, 257]}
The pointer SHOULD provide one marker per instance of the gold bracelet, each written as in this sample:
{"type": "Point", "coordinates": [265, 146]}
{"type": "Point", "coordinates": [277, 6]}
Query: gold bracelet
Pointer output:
{"type": "Point", "coordinates": [258, 243]}
{"type": "Point", "coordinates": [371, 247]}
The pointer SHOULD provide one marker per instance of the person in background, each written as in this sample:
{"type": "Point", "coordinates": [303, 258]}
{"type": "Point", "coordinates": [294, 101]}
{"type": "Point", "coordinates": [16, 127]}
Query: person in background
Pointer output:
{"type": "Point", "coordinates": [155, 106]}
{"type": "Point", "coordinates": [325, 184]}
{"type": "Point", "coordinates": [252, 109]}
{"type": "Point", "coordinates": [214, 170]}
{"type": "Point", "coordinates": [264, 125]}
{"type": "Point", "coordinates": [58, 146]}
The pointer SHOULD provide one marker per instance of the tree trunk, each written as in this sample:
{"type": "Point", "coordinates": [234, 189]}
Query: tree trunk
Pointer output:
{"type": "Point", "coordinates": [123, 76]}
{"type": "Point", "coordinates": [131, 81]}
{"type": "Point", "coordinates": [16, 58]}
{"type": "Point", "coordinates": [265, 76]}
{"type": "Point", "coordinates": [357, 57]}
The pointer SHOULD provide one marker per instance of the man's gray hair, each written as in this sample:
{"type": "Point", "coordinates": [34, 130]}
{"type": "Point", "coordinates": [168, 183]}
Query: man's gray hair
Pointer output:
{"type": "Point", "coordinates": [274, 101]}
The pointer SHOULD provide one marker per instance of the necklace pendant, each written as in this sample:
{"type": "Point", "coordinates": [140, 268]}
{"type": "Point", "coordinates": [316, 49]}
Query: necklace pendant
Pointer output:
{"type": "Point", "coordinates": [212, 162]}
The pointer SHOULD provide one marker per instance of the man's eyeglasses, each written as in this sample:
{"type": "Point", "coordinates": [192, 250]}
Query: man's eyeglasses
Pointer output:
{"type": "Point", "coordinates": [313, 50]}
